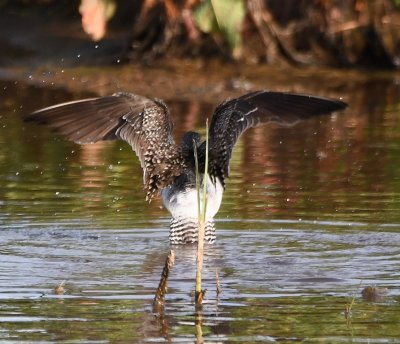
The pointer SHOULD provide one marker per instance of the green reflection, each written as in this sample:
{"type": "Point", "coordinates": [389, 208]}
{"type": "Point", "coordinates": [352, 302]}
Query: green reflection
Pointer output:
{"type": "Point", "coordinates": [285, 319]}
{"type": "Point", "coordinates": [342, 167]}
{"type": "Point", "coordinates": [341, 171]}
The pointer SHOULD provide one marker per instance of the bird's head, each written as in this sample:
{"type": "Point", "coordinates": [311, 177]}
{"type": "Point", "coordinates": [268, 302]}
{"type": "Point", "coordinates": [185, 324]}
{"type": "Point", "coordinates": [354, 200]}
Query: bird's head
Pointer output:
{"type": "Point", "coordinates": [189, 138]}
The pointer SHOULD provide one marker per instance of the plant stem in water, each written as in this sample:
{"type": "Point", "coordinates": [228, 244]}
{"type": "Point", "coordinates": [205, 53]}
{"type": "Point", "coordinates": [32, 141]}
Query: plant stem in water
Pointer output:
{"type": "Point", "coordinates": [202, 211]}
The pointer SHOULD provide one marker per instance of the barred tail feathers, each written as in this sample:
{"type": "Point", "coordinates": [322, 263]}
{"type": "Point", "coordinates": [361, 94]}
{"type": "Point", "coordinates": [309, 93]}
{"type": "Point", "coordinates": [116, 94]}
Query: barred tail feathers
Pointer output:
{"type": "Point", "coordinates": [184, 231]}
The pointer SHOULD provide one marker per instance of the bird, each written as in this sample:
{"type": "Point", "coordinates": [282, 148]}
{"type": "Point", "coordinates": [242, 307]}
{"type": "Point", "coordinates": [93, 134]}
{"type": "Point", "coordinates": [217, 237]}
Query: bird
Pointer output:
{"type": "Point", "coordinates": [169, 169]}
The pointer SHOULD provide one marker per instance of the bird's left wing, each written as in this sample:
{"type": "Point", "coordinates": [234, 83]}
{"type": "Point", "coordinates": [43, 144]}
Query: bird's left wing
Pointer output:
{"type": "Point", "coordinates": [233, 117]}
{"type": "Point", "coordinates": [143, 123]}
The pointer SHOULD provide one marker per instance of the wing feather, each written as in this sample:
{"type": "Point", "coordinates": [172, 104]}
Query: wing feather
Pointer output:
{"type": "Point", "coordinates": [233, 117]}
{"type": "Point", "coordinates": [143, 123]}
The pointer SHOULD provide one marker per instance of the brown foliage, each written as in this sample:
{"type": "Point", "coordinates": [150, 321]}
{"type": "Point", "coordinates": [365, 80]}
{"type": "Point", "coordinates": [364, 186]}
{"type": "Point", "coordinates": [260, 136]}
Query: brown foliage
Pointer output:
{"type": "Point", "coordinates": [331, 33]}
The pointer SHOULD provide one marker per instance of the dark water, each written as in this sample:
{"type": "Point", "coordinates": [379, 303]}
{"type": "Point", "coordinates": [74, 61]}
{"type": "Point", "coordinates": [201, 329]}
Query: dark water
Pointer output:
{"type": "Point", "coordinates": [311, 216]}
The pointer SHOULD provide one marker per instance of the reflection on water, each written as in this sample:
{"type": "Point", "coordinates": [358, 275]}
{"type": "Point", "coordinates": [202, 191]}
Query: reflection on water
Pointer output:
{"type": "Point", "coordinates": [309, 218]}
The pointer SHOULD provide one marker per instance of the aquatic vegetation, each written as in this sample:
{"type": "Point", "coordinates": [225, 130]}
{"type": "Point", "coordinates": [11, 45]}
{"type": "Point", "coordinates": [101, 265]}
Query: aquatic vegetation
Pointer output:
{"type": "Point", "coordinates": [201, 211]}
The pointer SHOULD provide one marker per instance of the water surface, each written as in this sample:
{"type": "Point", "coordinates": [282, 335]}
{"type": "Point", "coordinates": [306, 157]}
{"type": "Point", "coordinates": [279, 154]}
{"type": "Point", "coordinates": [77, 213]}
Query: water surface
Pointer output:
{"type": "Point", "coordinates": [310, 217]}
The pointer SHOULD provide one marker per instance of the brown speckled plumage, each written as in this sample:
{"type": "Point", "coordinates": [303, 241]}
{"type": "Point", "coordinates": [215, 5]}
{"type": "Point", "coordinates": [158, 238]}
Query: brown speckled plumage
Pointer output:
{"type": "Point", "coordinates": [150, 135]}
{"type": "Point", "coordinates": [143, 123]}
{"type": "Point", "coordinates": [146, 125]}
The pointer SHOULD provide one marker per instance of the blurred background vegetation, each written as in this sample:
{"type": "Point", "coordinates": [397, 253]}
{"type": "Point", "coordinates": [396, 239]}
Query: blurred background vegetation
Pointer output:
{"type": "Point", "coordinates": [338, 33]}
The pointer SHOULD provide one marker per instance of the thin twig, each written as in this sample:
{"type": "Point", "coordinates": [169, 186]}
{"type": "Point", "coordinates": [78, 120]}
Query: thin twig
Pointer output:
{"type": "Point", "coordinates": [217, 282]}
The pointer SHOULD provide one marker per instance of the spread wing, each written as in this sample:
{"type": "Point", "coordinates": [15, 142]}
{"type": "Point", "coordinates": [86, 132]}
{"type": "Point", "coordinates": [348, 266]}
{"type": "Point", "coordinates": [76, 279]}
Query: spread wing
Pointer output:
{"type": "Point", "coordinates": [143, 123]}
{"type": "Point", "coordinates": [233, 117]}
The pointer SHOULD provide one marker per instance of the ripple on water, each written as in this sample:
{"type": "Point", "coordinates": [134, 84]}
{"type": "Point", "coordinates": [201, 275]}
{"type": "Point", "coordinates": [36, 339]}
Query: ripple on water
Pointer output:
{"type": "Point", "coordinates": [310, 217]}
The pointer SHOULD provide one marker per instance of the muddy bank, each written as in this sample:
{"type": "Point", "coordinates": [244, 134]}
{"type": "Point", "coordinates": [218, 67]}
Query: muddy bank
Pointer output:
{"type": "Point", "coordinates": [307, 33]}
{"type": "Point", "coordinates": [56, 53]}
{"type": "Point", "coordinates": [195, 80]}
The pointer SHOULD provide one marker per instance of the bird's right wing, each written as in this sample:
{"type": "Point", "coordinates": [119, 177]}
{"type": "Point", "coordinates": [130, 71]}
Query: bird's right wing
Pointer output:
{"type": "Point", "coordinates": [233, 117]}
{"type": "Point", "coordinates": [144, 123]}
